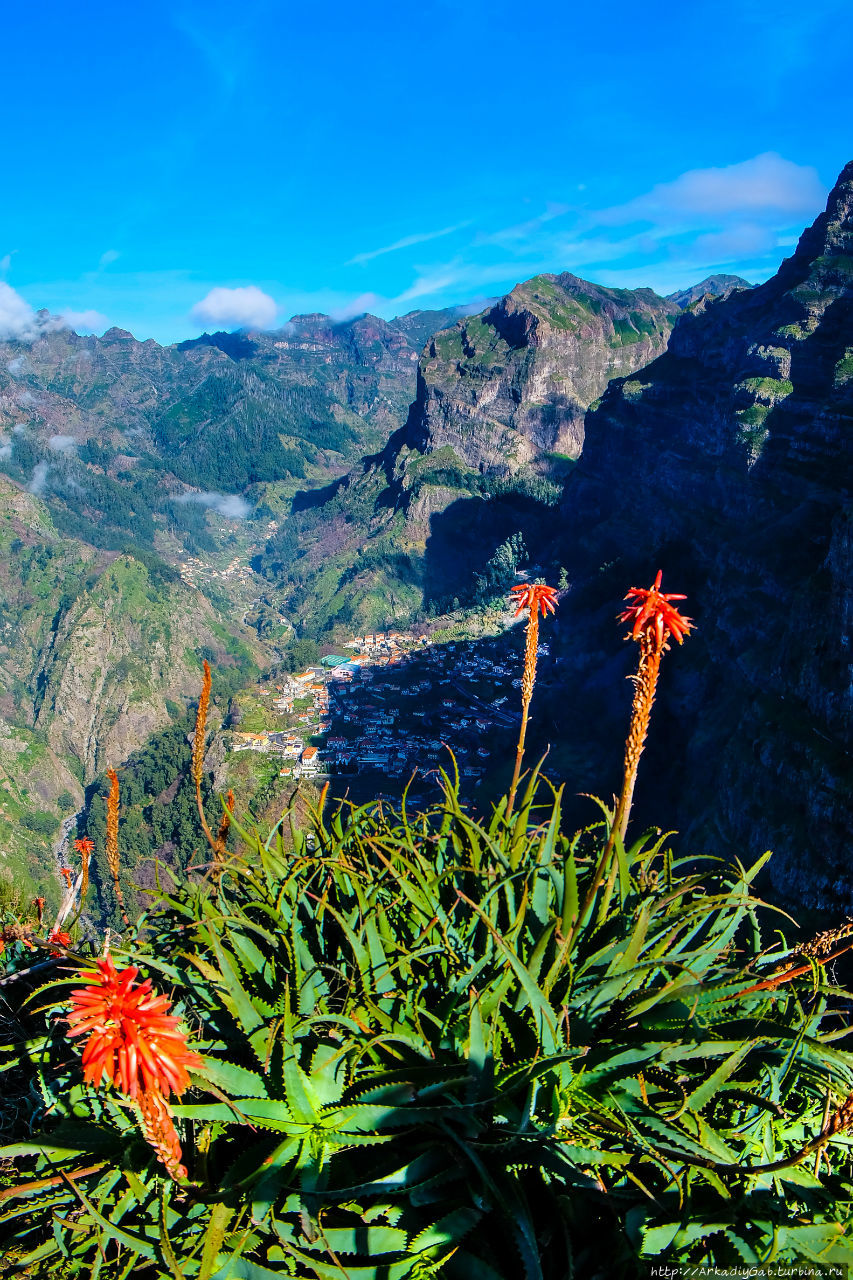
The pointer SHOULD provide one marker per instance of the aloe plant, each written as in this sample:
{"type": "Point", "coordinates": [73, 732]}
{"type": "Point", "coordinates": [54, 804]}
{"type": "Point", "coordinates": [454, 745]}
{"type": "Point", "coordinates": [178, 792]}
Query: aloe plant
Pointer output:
{"type": "Point", "coordinates": [419, 1061]}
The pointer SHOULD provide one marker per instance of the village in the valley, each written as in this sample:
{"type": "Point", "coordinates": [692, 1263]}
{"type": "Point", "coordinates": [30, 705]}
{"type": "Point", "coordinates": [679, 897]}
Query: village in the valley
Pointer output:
{"type": "Point", "coordinates": [390, 706]}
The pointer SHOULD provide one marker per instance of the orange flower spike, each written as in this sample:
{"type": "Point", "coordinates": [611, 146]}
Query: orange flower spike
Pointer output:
{"type": "Point", "coordinates": [534, 596]}
{"type": "Point", "coordinates": [85, 846]}
{"type": "Point", "coordinates": [61, 938]}
{"type": "Point", "coordinates": [652, 608]}
{"type": "Point", "coordinates": [133, 1039]}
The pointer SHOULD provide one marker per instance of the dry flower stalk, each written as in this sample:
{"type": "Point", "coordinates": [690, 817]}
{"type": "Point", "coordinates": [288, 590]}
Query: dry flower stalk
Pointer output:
{"type": "Point", "coordinates": [532, 597]}
{"type": "Point", "coordinates": [198, 751]}
{"type": "Point", "coordinates": [111, 848]}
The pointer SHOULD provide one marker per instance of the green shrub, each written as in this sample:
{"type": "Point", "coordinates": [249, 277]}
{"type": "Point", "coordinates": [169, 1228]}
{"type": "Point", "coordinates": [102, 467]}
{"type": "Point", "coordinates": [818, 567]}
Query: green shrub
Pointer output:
{"type": "Point", "coordinates": [409, 1072]}
{"type": "Point", "coordinates": [42, 824]}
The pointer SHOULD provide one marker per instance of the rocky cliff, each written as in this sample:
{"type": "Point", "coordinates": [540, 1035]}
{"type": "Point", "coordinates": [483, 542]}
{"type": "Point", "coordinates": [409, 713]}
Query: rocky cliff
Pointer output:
{"type": "Point", "coordinates": [727, 462]}
{"type": "Point", "coordinates": [714, 286]}
{"type": "Point", "coordinates": [505, 388]}
{"type": "Point", "coordinates": [496, 422]}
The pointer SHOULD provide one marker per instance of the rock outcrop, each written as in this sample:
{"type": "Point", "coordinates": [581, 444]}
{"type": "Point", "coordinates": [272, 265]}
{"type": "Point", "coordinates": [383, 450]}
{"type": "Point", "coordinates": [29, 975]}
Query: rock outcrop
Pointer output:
{"type": "Point", "coordinates": [712, 286]}
{"type": "Point", "coordinates": [508, 387]}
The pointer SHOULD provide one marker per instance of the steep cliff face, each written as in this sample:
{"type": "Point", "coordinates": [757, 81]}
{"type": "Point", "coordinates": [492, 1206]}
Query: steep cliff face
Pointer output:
{"type": "Point", "coordinates": [507, 387]}
{"type": "Point", "coordinates": [496, 422]}
{"type": "Point", "coordinates": [125, 649]}
{"type": "Point", "coordinates": [728, 462]}
{"type": "Point", "coordinates": [93, 647]}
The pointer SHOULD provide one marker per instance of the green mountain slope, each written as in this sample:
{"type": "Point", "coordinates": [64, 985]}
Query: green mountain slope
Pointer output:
{"type": "Point", "coordinates": [131, 441]}
{"type": "Point", "coordinates": [97, 652]}
{"type": "Point", "coordinates": [496, 423]}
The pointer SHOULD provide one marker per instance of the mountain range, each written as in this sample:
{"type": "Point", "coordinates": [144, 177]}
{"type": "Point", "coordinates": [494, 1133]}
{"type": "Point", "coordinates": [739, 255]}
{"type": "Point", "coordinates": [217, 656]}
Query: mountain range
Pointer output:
{"type": "Point", "coordinates": [374, 471]}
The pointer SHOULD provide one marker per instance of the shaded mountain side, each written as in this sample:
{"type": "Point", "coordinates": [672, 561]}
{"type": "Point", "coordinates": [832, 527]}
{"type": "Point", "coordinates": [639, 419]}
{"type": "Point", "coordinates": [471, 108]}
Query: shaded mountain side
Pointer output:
{"type": "Point", "coordinates": [727, 461]}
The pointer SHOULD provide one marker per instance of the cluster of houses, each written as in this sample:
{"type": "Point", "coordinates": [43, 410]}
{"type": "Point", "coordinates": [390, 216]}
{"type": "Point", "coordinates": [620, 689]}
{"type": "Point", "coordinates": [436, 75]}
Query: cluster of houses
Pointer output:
{"type": "Point", "coordinates": [392, 706]}
{"type": "Point", "coordinates": [195, 571]}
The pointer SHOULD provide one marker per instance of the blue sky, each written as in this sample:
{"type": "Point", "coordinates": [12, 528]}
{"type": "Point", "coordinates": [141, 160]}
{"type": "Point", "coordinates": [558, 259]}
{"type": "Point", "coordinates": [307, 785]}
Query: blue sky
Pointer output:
{"type": "Point", "coordinates": [174, 167]}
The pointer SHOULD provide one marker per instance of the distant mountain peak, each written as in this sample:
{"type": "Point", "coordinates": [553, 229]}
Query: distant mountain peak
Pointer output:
{"type": "Point", "coordinates": [716, 286]}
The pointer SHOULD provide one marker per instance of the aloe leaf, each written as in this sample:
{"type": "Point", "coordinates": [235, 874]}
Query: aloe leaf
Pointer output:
{"type": "Point", "coordinates": [448, 1230]}
{"type": "Point", "coordinates": [234, 1079]}
{"type": "Point", "coordinates": [703, 1093]}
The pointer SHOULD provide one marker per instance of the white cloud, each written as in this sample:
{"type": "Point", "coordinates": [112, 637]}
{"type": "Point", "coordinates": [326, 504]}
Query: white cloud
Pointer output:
{"type": "Point", "coordinates": [765, 185]}
{"type": "Point", "coordinates": [62, 444]}
{"type": "Point", "coordinates": [91, 321]}
{"type": "Point", "coordinates": [743, 240]}
{"type": "Point", "coordinates": [19, 322]}
{"type": "Point", "coordinates": [406, 243]}
{"type": "Point", "coordinates": [243, 308]}
{"type": "Point", "coordinates": [522, 232]}
{"type": "Point", "coordinates": [38, 483]}
{"type": "Point", "coordinates": [17, 318]}
{"type": "Point", "coordinates": [5, 262]}
{"type": "Point", "coordinates": [230, 505]}
{"type": "Point", "coordinates": [111, 255]}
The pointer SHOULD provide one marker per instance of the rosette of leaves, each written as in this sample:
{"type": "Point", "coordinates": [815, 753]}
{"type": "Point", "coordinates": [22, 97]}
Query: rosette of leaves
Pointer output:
{"type": "Point", "coordinates": [420, 1062]}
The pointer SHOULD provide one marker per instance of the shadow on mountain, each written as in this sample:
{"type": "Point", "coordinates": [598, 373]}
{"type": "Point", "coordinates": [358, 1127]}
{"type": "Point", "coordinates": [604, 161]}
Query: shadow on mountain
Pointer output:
{"type": "Point", "coordinates": [235, 345]}
{"type": "Point", "coordinates": [465, 536]}
{"type": "Point", "coordinates": [308, 499]}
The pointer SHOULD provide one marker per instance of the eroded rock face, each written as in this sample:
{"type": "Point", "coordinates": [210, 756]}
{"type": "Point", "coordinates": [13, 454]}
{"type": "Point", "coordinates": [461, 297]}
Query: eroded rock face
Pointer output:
{"type": "Point", "coordinates": [117, 656]}
{"type": "Point", "coordinates": [728, 462]}
{"type": "Point", "coordinates": [93, 645]}
{"type": "Point", "coordinates": [504, 388]}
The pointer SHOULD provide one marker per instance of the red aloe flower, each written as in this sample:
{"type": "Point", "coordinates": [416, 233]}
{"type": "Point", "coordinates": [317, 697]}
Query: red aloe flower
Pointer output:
{"type": "Point", "coordinates": [65, 872]}
{"type": "Point", "coordinates": [85, 846]}
{"type": "Point", "coordinates": [63, 939]}
{"type": "Point", "coordinates": [131, 1033]}
{"type": "Point", "coordinates": [651, 609]}
{"type": "Point", "coordinates": [534, 596]}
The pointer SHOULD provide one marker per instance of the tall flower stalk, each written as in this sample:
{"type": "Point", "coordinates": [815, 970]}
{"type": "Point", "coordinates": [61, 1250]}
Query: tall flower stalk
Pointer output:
{"type": "Point", "coordinates": [653, 620]}
{"type": "Point", "coordinates": [533, 597]}
{"type": "Point", "coordinates": [85, 847]}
